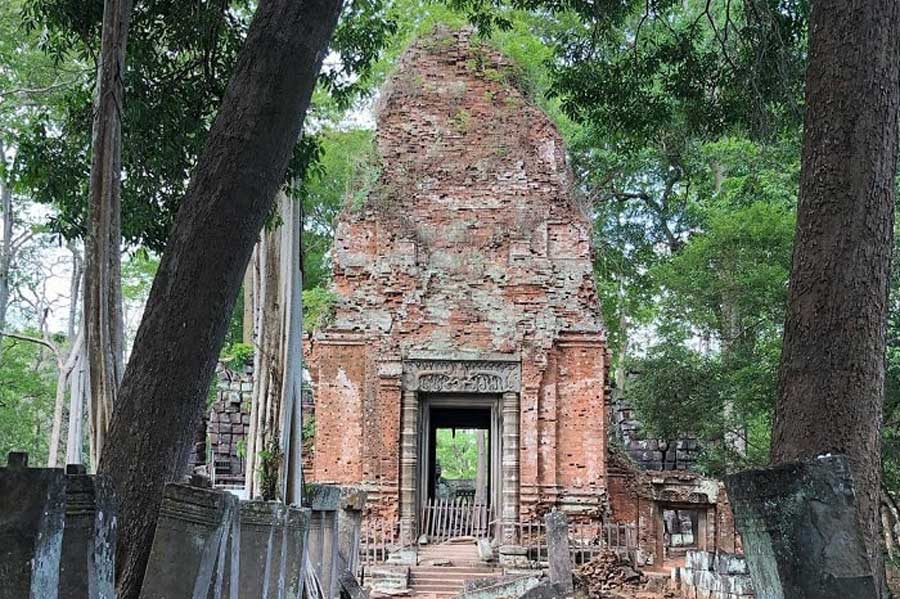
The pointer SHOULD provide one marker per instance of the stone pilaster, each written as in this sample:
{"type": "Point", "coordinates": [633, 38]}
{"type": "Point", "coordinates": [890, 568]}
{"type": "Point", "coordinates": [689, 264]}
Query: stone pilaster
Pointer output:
{"type": "Point", "coordinates": [510, 467]}
{"type": "Point", "coordinates": [409, 465]}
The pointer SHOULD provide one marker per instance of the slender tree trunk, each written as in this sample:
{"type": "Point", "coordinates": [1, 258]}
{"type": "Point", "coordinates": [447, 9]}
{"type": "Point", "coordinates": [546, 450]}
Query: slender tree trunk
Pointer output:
{"type": "Point", "coordinates": [102, 280]}
{"type": "Point", "coordinates": [831, 379]}
{"type": "Point", "coordinates": [77, 400]}
{"type": "Point", "coordinates": [65, 363]}
{"type": "Point", "coordinates": [6, 247]}
{"type": "Point", "coordinates": [732, 340]}
{"type": "Point", "coordinates": [74, 290]}
{"type": "Point", "coordinates": [65, 366]}
{"type": "Point", "coordinates": [163, 392]}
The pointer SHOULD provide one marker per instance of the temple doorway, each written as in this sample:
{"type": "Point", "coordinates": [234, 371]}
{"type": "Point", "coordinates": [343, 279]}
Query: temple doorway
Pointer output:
{"type": "Point", "coordinates": [460, 476]}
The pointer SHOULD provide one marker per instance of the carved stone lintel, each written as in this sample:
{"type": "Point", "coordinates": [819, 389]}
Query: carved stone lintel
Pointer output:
{"type": "Point", "coordinates": [462, 376]}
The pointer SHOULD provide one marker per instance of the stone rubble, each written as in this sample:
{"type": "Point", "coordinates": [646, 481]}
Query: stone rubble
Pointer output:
{"type": "Point", "coordinates": [607, 572]}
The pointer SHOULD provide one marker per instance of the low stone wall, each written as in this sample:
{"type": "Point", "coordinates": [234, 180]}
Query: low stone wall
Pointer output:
{"type": "Point", "coordinates": [708, 575]}
{"type": "Point", "coordinates": [57, 533]}
{"type": "Point", "coordinates": [57, 540]}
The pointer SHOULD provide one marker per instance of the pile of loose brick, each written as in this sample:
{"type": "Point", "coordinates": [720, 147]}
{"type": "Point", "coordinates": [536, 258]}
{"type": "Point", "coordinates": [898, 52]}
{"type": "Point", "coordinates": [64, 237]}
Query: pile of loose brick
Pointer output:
{"type": "Point", "coordinates": [607, 572]}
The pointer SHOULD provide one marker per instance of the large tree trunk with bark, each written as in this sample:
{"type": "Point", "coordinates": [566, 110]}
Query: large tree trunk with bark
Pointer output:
{"type": "Point", "coordinates": [102, 280]}
{"type": "Point", "coordinates": [831, 379]}
{"type": "Point", "coordinates": [163, 392]}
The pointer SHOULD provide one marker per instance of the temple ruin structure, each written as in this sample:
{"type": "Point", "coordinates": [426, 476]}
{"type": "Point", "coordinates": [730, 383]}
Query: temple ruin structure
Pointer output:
{"type": "Point", "coordinates": [462, 268]}
{"type": "Point", "coordinates": [466, 297]}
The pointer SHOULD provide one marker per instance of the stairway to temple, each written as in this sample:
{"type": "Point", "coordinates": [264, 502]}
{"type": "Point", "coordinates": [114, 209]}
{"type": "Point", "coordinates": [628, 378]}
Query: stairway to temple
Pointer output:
{"type": "Point", "coordinates": [444, 568]}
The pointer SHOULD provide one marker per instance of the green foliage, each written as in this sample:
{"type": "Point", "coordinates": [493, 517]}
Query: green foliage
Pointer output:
{"type": "Point", "coordinates": [318, 308]}
{"type": "Point", "coordinates": [688, 380]}
{"type": "Point", "coordinates": [457, 453]}
{"type": "Point", "coordinates": [719, 307]}
{"type": "Point", "coordinates": [27, 394]}
{"type": "Point", "coordinates": [138, 271]}
{"type": "Point", "coordinates": [179, 59]}
{"type": "Point", "coordinates": [346, 169]}
{"type": "Point", "coordinates": [237, 356]}
{"type": "Point", "coordinates": [308, 432]}
{"type": "Point", "coordinates": [269, 465]}
{"type": "Point", "coordinates": [460, 120]}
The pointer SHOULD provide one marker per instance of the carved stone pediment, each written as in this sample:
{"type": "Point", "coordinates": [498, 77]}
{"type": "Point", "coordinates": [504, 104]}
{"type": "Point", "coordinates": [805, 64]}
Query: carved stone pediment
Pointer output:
{"type": "Point", "coordinates": [462, 376]}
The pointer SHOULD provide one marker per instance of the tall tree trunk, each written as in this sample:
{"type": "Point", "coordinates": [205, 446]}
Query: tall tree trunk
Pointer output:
{"type": "Point", "coordinates": [77, 400]}
{"type": "Point", "coordinates": [831, 378]}
{"type": "Point", "coordinates": [74, 290]}
{"type": "Point", "coordinates": [6, 246]}
{"type": "Point", "coordinates": [65, 363]}
{"type": "Point", "coordinates": [102, 278]}
{"type": "Point", "coordinates": [272, 467]}
{"type": "Point", "coordinates": [163, 392]}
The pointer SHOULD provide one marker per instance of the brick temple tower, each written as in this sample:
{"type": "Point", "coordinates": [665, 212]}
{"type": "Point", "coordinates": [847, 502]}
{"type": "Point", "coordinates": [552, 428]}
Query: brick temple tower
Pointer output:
{"type": "Point", "coordinates": [466, 297]}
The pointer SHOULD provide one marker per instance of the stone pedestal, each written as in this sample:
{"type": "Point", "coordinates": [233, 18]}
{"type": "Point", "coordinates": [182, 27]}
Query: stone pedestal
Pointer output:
{"type": "Point", "coordinates": [353, 502]}
{"type": "Point", "coordinates": [558, 556]}
{"type": "Point", "coordinates": [801, 533]}
{"type": "Point", "coordinates": [188, 557]}
{"type": "Point", "coordinates": [87, 567]}
{"type": "Point", "coordinates": [296, 531]}
{"type": "Point", "coordinates": [272, 538]}
{"type": "Point", "coordinates": [32, 517]}
{"type": "Point", "coordinates": [324, 501]}
{"type": "Point", "coordinates": [262, 531]}
{"type": "Point", "coordinates": [513, 556]}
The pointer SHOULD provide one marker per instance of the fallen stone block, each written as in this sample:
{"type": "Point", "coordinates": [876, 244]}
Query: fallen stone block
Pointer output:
{"type": "Point", "coordinates": [387, 579]}
{"type": "Point", "coordinates": [513, 556]}
{"type": "Point", "coordinates": [350, 587]}
{"type": "Point", "coordinates": [801, 533]}
{"type": "Point", "coordinates": [547, 590]}
{"type": "Point", "coordinates": [32, 519]}
{"type": "Point", "coordinates": [485, 551]}
{"type": "Point", "coordinates": [508, 587]}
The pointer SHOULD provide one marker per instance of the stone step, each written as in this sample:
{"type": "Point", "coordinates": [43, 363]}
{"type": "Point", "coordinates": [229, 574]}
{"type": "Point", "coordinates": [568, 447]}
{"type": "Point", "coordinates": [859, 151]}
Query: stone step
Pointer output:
{"type": "Point", "coordinates": [437, 578]}
{"type": "Point", "coordinates": [445, 581]}
{"type": "Point", "coordinates": [450, 570]}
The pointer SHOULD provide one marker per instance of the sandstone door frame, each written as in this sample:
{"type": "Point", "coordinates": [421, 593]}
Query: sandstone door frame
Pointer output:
{"type": "Point", "coordinates": [461, 375]}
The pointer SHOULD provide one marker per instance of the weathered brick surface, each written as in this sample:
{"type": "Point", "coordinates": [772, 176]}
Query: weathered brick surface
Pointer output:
{"type": "Point", "coordinates": [469, 241]}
